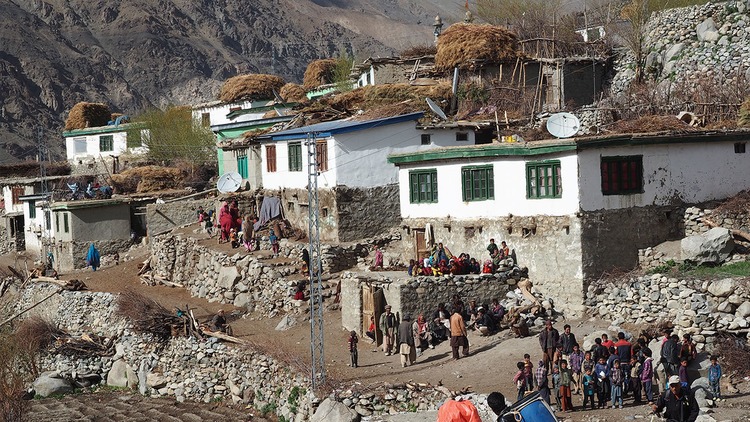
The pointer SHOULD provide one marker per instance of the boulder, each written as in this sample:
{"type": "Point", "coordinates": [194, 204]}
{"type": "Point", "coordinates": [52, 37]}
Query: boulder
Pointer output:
{"type": "Point", "coordinates": [243, 300]}
{"type": "Point", "coordinates": [48, 384]}
{"type": "Point", "coordinates": [706, 31]}
{"type": "Point", "coordinates": [156, 380]}
{"type": "Point", "coordinates": [743, 310]}
{"type": "Point", "coordinates": [286, 323]}
{"type": "Point", "coordinates": [122, 375]}
{"type": "Point", "coordinates": [228, 276]}
{"type": "Point", "coordinates": [714, 246]}
{"type": "Point", "coordinates": [721, 288]}
{"type": "Point", "coordinates": [333, 411]}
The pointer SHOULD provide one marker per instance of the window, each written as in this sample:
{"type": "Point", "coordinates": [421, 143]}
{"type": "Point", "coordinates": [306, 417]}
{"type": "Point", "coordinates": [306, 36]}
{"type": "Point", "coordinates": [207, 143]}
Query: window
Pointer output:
{"type": "Point", "coordinates": [32, 210]}
{"type": "Point", "coordinates": [739, 148]}
{"type": "Point", "coordinates": [79, 145]}
{"type": "Point", "coordinates": [205, 119]}
{"type": "Point", "coordinates": [242, 166]}
{"type": "Point", "coordinates": [543, 180]}
{"type": "Point", "coordinates": [57, 221]}
{"type": "Point", "coordinates": [426, 139]}
{"type": "Point", "coordinates": [16, 192]}
{"type": "Point", "coordinates": [622, 175]}
{"type": "Point", "coordinates": [105, 143]}
{"type": "Point", "coordinates": [478, 183]}
{"type": "Point", "coordinates": [321, 155]}
{"type": "Point", "coordinates": [423, 186]}
{"type": "Point", "coordinates": [271, 158]}
{"type": "Point", "coordinates": [65, 223]}
{"type": "Point", "coordinates": [462, 136]}
{"type": "Point", "coordinates": [295, 156]}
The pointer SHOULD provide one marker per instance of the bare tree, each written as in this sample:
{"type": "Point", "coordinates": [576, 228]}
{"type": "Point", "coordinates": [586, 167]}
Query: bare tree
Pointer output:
{"type": "Point", "coordinates": [634, 36]}
{"type": "Point", "coordinates": [527, 18]}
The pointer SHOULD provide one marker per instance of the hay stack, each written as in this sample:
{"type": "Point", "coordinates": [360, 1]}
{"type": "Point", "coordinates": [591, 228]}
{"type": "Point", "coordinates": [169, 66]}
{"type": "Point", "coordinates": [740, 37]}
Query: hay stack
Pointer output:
{"type": "Point", "coordinates": [293, 93]}
{"type": "Point", "coordinates": [84, 115]}
{"type": "Point", "coordinates": [250, 87]}
{"type": "Point", "coordinates": [371, 96]}
{"type": "Point", "coordinates": [319, 72]}
{"type": "Point", "coordinates": [743, 116]}
{"type": "Point", "coordinates": [649, 124]}
{"type": "Point", "coordinates": [463, 42]}
{"type": "Point", "coordinates": [147, 179]}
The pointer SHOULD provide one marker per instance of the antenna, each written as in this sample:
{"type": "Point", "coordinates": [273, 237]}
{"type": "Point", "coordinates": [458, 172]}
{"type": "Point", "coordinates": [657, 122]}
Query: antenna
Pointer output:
{"type": "Point", "coordinates": [563, 125]}
{"type": "Point", "coordinates": [229, 182]}
{"type": "Point", "coordinates": [436, 109]}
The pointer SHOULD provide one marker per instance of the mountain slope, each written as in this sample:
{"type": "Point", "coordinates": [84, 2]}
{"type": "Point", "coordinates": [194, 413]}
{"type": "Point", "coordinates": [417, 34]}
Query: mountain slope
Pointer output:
{"type": "Point", "coordinates": [141, 53]}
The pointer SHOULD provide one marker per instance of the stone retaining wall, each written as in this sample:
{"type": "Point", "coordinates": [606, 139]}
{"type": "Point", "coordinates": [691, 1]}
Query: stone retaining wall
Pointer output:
{"type": "Point", "coordinates": [700, 308]}
{"type": "Point", "coordinates": [163, 217]}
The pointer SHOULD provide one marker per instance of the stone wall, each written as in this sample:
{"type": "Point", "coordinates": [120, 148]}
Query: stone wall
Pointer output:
{"type": "Point", "coordinates": [368, 212]}
{"type": "Point", "coordinates": [163, 217]}
{"type": "Point", "coordinates": [416, 295]}
{"type": "Point", "coordinates": [72, 255]}
{"type": "Point", "coordinates": [700, 308]}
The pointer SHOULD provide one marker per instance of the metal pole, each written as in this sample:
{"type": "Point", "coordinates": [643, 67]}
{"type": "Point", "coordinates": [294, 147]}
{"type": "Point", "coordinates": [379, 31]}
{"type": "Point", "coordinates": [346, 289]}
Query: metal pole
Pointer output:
{"type": "Point", "coordinates": [315, 268]}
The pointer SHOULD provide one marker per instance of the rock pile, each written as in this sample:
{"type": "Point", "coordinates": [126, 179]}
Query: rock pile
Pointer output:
{"type": "Point", "coordinates": [700, 308]}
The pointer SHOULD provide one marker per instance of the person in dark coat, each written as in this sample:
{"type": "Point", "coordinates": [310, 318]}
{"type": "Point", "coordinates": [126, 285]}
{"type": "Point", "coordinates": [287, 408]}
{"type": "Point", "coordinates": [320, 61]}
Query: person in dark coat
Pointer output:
{"type": "Point", "coordinates": [406, 342]}
{"type": "Point", "coordinates": [548, 340]}
{"type": "Point", "coordinates": [677, 403]}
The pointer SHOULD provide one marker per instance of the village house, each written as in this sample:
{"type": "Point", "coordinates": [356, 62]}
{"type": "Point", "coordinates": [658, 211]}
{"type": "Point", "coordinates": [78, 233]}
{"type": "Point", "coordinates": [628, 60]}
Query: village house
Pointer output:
{"type": "Point", "coordinates": [231, 122]}
{"type": "Point", "coordinates": [97, 149]}
{"type": "Point", "coordinates": [358, 188]}
{"type": "Point", "coordinates": [571, 209]}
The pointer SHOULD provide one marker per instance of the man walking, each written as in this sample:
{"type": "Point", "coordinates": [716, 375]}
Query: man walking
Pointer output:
{"type": "Point", "coordinates": [548, 339]}
{"type": "Point", "coordinates": [388, 326]}
{"type": "Point", "coordinates": [458, 332]}
{"type": "Point", "coordinates": [406, 342]}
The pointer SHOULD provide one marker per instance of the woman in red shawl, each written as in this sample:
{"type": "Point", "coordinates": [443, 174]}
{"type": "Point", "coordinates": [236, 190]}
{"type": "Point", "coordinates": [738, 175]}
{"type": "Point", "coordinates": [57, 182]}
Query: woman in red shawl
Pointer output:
{"type": "Point", "coordinates": [225, 222]}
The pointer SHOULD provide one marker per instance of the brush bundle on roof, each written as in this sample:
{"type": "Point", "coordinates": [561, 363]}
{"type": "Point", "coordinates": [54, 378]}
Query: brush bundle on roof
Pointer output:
{"type": "Point", "coordinates": [463, 42]}
{"type": "Point", "coordinates": [293, 93]}
{"type": "Point", "coordinates": [371, 96]}
{"type": "Point", "coordinates": [147, 179]}
{"type": "Point", "coordinates": [250, 87]}
{"type": "Point", "coordinates": [419, 51]}
{"type": "Point", "coordinates": [319, 72]}
{"type": "Point", "coordinates": [84, 115]}
{"type": "Point", "coordinates": [743, 116]}
{"type": "Point", "coordinates": [648, 124]}
{"type": "Point", "coordinates": [31, 169]}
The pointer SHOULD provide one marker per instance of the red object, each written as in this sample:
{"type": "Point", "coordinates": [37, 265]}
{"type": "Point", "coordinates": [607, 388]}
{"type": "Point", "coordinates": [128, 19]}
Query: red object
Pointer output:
{"type": "Point", "coordinates": [458, 411]}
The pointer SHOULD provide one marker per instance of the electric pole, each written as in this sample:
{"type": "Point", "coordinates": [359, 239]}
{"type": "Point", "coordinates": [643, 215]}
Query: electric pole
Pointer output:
{"type": "Point", "coordinates": [315, 268]}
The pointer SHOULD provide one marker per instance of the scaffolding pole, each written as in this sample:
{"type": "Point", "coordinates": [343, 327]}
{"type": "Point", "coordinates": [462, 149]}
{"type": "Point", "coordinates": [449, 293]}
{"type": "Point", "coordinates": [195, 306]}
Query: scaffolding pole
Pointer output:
{"type": "Point", "coordinates": [315, 268]}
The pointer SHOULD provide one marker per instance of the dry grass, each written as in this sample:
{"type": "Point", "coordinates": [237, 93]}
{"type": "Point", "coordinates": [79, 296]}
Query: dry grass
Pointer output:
{"type": "Point", "coordinates": [12, 383]}
{"type": "Point", "coordinates": [147, 179]}
{"type": "Point", "coordinates": [84, 115]}
{"type": "Point", "coordinates": [743, 117]}
{"type": "Point", "coordinates": [738, 204]}
{"type": "Point", "coordinates": [419, 51]}
{"type": "Point", "coordinates": [31, 169]}
{"type": "Point", "coordinates": [319, 72]}
{"type": "Point", "coordinates": [649, 124]}
{"type": "Point", "coordinates": [250, 87]}
{"type": "Point", "coordinates": [390, 110]}
{"type": "Point", "coordinates": [372, 96]}
{"type": "Point", "coordinates": [293, 93]}
{"type": "Point", "coordinates": [461, 43]}
{"type": "Point", "coordinates": [145, 315]}
{"type": "Point", "coordinates": [734, 353]}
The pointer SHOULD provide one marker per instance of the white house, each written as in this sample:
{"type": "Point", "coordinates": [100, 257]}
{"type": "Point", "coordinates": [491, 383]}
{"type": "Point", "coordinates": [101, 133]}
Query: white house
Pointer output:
{"type": "Point", "coordinates": [38, 230]}
{"type": "Point", "coordinates": [571, 209]}
{"type": "Point", "coordinates": [353, 169]}
{"type": "Point", "coordinates": [90, 147]}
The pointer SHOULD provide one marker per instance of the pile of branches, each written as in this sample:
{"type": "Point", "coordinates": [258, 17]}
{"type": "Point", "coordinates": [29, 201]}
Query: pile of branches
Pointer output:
{"type": "Point", "coordinates": [86, 345]}
{"type": "Point", "coordinates": [36, 335]}
{"type": "Point", "coordinates": [147, 316]}
{"type": "Point", "coordinates": [31, 169]}
{"type": "Point", "coordinates": [419, 51]}
{"type": "Point", "coordinates": [648, 124]}
{"type": "Point", "coordinates": [738, 204]}
{"type": "Point", "coordinates": [293, 92]}
{"type": "Point", "coordinates": [735, 353]}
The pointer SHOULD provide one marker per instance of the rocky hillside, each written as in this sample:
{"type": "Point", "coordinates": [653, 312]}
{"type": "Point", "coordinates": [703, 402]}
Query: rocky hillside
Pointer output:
{"type": "Point", "coordinates": [136, 54]}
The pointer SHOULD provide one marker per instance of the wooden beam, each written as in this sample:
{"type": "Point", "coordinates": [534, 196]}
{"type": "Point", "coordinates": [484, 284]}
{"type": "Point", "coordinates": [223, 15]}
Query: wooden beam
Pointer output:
{"type": "Point", "coordinates": [29, 308]}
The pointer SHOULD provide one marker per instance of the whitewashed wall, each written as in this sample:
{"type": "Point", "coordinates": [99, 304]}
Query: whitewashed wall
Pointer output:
{"type": "Point", "coordinates": [74, 145]}
{"type": "Point", "coordinates": [510, 190]}
{"type": "Point", "coordinates": [8, 198]}
{"type": "Point", "coordinates": [35, 229]}
{"type": "Point", "coordinates": [691, 173]}
{"type": "Point", "coordinates": [218, 112]}
{"type": "Point", "coordinates": [283, 178]}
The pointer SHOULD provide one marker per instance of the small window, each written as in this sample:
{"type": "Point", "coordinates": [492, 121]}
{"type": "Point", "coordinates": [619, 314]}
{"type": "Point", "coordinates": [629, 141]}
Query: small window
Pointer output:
{"type": "Point", "coordinates": [106, 143]}
{"type": "Point", "coordinates": [271, 158]}
{"type": "Point", "coordinates": [295, 156]}
{"type": "Point", "coordinates": [79, 145]}
{"type": "Point", "coordinates": [462, 136]}
{"type": "Point", "coordinates": [543, 180]}
{"type": "Point", "coordinates": [739, 148]}
{"type": "Point", "coordinates": [423, 186]}
{"type": "Point", "coordinates": [206, 119]}
{"type": "Point", "coordinates": [66, 223]}
{"type": "Point", "coordinates": [324, 212]}
{"type": "Point", "coordinates": [32, 210]}
{"type": "Point", "coordinates": [426, 139]}
{"type": "Point", "coordinates": [622, 175]}
{"type": "Point", "coordinates": [321, 155]}
{"type": "Point", "coordinates": [478, 183]}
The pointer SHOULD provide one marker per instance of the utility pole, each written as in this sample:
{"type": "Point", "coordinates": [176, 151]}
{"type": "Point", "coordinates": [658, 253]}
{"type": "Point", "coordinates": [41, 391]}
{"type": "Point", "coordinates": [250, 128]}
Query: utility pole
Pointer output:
{"type": "Point", "coordinates": [315, 268]}
{"type": "Point", "coordinates": [46, 226]}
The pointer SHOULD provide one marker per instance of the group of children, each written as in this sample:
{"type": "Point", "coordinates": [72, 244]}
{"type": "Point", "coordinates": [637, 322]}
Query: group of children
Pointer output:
{"type": "Point", "coordinates": [442, 262]}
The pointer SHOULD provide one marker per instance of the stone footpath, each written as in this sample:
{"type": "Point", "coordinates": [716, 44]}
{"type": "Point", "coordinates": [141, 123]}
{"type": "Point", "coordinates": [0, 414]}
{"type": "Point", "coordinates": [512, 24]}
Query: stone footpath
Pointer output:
{"type": "Point", "coordinates": [700, 308]}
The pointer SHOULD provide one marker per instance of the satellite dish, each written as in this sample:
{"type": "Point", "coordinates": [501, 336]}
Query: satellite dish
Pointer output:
{"type": "Point", "coordinates": [229, 182]}
{"type": "Point", "coordinates": [563, 125]}
{"type": "Point", "coordinates": [436, 109]}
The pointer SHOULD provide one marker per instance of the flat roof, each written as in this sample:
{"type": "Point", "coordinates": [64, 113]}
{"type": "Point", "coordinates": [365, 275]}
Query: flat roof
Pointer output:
{"type": "Point", "coordinates": [87, 203]}
{"type": "Point", "coordinates": [327, 129]}
{"type": "Point", "coordinates": [122, 127]}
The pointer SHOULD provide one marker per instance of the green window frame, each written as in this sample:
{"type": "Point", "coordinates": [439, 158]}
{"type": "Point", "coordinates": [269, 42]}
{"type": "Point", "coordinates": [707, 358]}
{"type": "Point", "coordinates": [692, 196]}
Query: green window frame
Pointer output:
{"type": "Point", "coordinates": [478, 183]}
{"type": "Point", "coordinates": [622, 175]}
{"type": "Point", "coordinates": [32, 209]}
{"type": "Point", "coordinates": [242, 166]}
{"type": "Point", "coordinates": [543, 179]}
{"type": "Point", "coordinates": [295, 156]}
{"type": "Point", "coordinates": [423, 186]}
{"type": "Point", "coordinates": [106, 143]}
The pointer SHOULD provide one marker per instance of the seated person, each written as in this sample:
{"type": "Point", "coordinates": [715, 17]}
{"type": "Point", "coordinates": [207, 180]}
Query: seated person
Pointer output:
{"type": "Point", "coordinates": [497, 311]}
{"type": "Point", "coordinates": [471, 310]}
{"type": "Point", "coordinates": [488, 268]}
{"type": "Point", "coordinates": [300, 293]}
{"type": "Point", "coordinates": [422, 334]}
{"type": "Point", "coordinates": [412, 267]}
{"type": "Point", "coordinates": [474, 267]}
{"type": "Point", "coordinates": [484, 322]}
{"type": "Point", "coordinates": [443, 267]}
{"type": "Point", "coordinates": [371, 329]}
{"type": "Point", "coordinates": [426, 269]}
{"type": "Point", "coordinates": [219, 323]}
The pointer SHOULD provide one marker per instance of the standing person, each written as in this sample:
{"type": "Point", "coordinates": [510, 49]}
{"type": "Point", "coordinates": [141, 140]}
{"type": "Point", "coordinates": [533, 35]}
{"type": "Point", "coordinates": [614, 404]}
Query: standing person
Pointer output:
{"type": "Point", "coordinates": [670, 356]}
{"type": "Point", "coordinates": [247, 233]}
{"type": "Point", "coordinates": [548, 339]}
{"type": "Point", "coordinates": [647, 375]}
{"type": "Point", "coordinates": [378, 262]}
{"type": "Point", "coordinates": [504, 249]}
{"type": "Point", "coordinates": [677, 402]}
{"type": "Point", "coordinates": [687, 348]}
{"type": "Point", "coordinates": [458, 332]}
{"type": "Point", "coordinates": [567, 341]}
{"type": "Point", "coordinates": [520, 381]}
{"type": "Point", "coordinates": [556, 386]}
{"type": "Point", "coordinates": [602, 382]}
{"type": "Point", "coordinates": [682, 373]}
{"type": "Point", "coordinates": [225, 222]}
{"type": "Point", "coordinates": [305, 261]}
{"type": "Point", "coordinates": [542, 382]}
{"type": "Point", "coordinates": [589, 386]}
{"type": "Point", "coordinates": [353, 340]}
{"type": "Point", "coordinates": [714, 378]}
{"type": "Point", "coordinates": [406, 342]}
{"type": "Point", "coordinates": [274, 242]}
{"type": "Point", "coordinates": [635, 379]}
{"type": "Point", "coordinates": [624, 352]}
{"type": "Point", "coordinates": [93, 257]}
{"type": "Point", "coordinates": [566, 379]}
{"type": "Point", "coordinates": [617, 379]}
{"type": "Point", "coordinates": [606, 342]}
{"type": "Point", "coordinates": [388, 326]}
{"type": "Point", "coordinates": [492, 248]}
{"type": "Point", "coordinates": [576, 362]}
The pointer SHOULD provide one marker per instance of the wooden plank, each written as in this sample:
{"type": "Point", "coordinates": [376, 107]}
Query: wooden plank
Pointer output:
{"type": "Point", "coordinates": [29, 308]}
{"type": "Point", "coordinates": [223, 336]}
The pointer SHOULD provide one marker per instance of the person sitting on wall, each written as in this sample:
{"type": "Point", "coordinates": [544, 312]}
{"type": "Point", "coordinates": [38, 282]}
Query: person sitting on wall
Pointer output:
{"type": "Point", "coordinates": [492, 248]}
{"type": "Point", "coordinates": [219, 323]}
{"type": "Point", "coordinates": [504, 249]}
{"type": "Point", "coordinates": [474, 267]}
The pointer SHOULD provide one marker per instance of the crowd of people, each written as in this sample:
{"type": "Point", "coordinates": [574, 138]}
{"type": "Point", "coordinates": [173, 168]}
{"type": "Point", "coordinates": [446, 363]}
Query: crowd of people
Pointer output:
{"type": "Point", "coordinates": [442, 262]}
{"type": "Point", "coordinates": [234, 229]}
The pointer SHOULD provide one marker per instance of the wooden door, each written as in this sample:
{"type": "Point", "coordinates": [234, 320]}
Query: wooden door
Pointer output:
{"type": "Point", "coordinates": [421, 251]}
{"type": "Point", "coordinates": [372, 307]}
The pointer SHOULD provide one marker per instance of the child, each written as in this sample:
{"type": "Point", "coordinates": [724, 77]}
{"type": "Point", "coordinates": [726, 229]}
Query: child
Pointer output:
{"type": "Point", "coordinates": [714, 378]}
{"type": "Point", "coordinates": [353, 347]}
{"type": "Point", "coordinates": [233, 238]}
{"type": "Point", "coordinates": [589, 384]}
{"type": "Point", "coordinates": [683, 372]}
{"type": "Point", "coordinates": [617, 378]}
{"type": "Point", "coordinates": [566, 379]}
{"type": "Point", "coordinates": [576, 362]}
{"type": "Point", "coordinates": [647, 374]}
{"type": "Point", "coordinates": [602, 381]}
{"type": "Point", "coordinates": [520, 380]}
{"type": "Point", "coordinates": [528, 375]}
{"type": "Point", "coordinates": [274, 242]}
{"type": "Point", "coordinates": [635, 379]}
{"type": "Point", "coordinates": [556, 386]}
